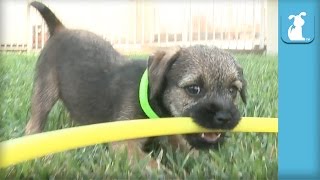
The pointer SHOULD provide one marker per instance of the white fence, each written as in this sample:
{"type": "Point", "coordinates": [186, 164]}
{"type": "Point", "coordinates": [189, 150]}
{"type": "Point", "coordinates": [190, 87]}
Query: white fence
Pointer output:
{"type": "Point", "coordinates": [229, 24]}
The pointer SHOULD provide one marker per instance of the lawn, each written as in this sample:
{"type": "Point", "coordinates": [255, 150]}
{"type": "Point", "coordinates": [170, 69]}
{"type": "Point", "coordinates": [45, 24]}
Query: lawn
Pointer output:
{"type": "Point", "coordinates": [243, 156]}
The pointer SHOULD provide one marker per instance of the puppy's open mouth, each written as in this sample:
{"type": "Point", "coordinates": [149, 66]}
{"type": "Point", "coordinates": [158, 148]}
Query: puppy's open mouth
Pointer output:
{"type": "Point", "coordinates": [210, 137]}
{"type": "Point", "coordinates": [205, 140]}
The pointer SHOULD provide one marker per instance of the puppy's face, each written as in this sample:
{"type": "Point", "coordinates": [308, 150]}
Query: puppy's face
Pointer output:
{"type": "Point", "coordinates": [201, 83]}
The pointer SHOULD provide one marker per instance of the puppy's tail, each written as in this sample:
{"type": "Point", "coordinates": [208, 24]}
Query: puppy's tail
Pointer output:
{"type": "Point", "coordinates": [53, 23]}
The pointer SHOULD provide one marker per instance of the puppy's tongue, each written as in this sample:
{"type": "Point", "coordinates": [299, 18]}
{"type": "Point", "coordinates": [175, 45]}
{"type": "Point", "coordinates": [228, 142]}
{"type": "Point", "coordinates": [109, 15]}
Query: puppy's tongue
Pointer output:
{"type": "Point", "coordinates": [211, 137]}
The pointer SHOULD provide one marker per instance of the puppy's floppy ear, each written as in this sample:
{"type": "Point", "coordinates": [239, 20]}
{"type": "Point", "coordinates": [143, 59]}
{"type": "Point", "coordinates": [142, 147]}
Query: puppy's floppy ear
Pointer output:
{"type": "Point", "coordinates": [158, 66]}
{"type": "Point", "coordinates": [243, 91]}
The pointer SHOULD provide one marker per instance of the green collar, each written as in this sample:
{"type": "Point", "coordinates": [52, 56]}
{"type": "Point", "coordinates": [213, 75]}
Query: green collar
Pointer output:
{"type": "Point", "coordinates": [143, 97]}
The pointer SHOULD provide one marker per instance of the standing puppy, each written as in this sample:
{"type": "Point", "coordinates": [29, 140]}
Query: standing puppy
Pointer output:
{"type": "Point", "coordinates": [97, 84]}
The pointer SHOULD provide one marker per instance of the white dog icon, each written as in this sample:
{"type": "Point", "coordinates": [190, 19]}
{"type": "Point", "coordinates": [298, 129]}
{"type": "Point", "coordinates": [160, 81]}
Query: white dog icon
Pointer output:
{"type": "Point", "coordinates": [295, 30]}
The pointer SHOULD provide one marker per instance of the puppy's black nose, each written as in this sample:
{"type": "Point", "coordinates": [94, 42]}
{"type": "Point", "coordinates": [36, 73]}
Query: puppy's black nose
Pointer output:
{"type": "Point", "coordinates": [221, 118]}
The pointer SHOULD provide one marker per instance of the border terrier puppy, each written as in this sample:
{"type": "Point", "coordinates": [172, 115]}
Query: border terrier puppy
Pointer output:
{"type": "Point", "coordinates": [97, 84]}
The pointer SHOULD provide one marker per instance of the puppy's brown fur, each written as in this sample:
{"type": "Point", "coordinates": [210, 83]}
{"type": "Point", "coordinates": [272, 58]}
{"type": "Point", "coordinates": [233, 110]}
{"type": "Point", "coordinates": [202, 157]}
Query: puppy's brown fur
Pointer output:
{"type": "Point", "coordinates": [97, 84]}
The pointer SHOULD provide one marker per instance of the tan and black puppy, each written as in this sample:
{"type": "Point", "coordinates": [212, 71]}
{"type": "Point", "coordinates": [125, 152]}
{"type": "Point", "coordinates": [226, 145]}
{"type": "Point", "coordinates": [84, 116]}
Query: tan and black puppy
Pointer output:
{"type": "Point", "coordinates": [97, 84]}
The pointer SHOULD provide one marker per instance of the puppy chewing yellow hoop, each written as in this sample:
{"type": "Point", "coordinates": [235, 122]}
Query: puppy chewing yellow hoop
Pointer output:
{"type": "Point", "coordinates": [34, 146]}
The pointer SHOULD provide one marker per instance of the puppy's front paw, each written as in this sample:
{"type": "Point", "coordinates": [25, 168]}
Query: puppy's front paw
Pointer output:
{"type": "Point", "coordinates": [32, 128]}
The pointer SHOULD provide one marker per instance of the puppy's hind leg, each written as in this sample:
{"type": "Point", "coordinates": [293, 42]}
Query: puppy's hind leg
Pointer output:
{"type": "Point", "coordinates": [45, 95]}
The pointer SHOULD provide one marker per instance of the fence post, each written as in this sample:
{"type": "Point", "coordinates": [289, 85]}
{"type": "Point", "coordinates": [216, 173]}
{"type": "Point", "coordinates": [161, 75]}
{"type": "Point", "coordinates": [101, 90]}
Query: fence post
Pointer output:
{"type": "Point", "coordinates": [272, 24]}
{"type": "Point", "coordinates": [29, 27]}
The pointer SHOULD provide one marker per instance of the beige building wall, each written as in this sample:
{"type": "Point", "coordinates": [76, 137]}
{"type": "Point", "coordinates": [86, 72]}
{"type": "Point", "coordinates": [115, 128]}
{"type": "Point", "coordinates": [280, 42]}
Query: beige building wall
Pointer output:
{"type": "Point", "coordinates": [138, 22]}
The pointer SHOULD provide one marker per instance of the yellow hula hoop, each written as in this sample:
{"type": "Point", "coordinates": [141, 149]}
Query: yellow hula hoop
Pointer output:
{"type": "Point", "coordinates": [34, 146]}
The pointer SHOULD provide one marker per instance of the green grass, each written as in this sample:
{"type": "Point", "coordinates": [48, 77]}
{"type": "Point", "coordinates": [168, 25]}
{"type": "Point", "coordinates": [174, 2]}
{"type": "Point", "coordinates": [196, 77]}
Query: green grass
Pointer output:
{"type": "Point", "coordinates": [244, 155]}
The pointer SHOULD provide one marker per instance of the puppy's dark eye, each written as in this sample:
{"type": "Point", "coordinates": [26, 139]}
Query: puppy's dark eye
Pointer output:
{"type": "Point", "coordinates": [233, 91]}
{"type": "Point", "coordinates": [193, 89]}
